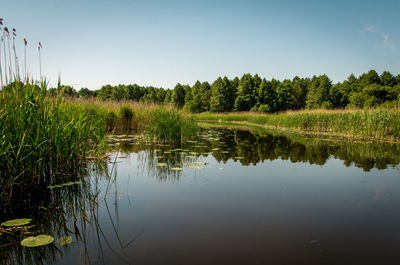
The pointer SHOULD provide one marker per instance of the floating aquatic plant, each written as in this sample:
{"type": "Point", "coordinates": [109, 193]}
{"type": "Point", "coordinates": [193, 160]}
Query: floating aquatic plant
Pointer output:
{"type": "Point", "coordinates": [64, 240]}
{"type": "Point", "coordinates": [37, 241]}
{"type": "Point", "coordinates": [17, 222]}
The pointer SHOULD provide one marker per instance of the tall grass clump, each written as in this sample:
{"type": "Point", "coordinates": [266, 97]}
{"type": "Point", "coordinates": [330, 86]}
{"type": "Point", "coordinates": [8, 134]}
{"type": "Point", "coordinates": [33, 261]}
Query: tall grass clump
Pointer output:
{"type": "Point", "coordinates": [170, 124]}
{"type": "Point", "coordinates": [127, 117]}
{"type": "Point", "coordinates": [42, 136]}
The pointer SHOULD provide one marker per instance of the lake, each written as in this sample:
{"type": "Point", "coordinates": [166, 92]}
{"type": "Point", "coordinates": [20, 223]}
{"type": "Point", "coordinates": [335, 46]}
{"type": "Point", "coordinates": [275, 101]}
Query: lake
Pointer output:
{"type": "Point", "coordinates": [232, 196]}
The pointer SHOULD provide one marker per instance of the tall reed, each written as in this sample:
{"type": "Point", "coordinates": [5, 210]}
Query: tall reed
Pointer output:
{"type": "Point", "coordinates": [1, 70]}
{"type": "Point", "coordinates": [40, 60]}
{"type": "Point", "coordinates": [171, 125]}
{"type": "Point", "coordinates": [9, 54]}
{"type": "Point", "coordinates": [41, 136]}
{"type": "Point", "coordinates": [3, 37]}
{"type": "Point", "coordinates": [14, 34]}
{"type": "Point", "coordinates": [26, 74]}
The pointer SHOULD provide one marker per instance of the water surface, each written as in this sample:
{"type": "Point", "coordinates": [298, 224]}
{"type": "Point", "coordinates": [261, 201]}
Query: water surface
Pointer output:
{"type": "Point", "coordinates": [242, 197]}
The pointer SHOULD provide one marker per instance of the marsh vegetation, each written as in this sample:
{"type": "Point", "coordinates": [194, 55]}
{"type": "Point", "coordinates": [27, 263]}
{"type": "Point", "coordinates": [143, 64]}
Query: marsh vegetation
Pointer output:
{"type": "Point", "coordinates": [128, 174]}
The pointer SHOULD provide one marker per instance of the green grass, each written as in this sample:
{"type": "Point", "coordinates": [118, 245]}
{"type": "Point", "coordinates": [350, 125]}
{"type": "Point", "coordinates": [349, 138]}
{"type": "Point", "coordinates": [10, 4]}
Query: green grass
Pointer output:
{"type": "Point", "coordinates": [380, 124]}
{"type": "Point", "coordinates": [163, 122]}
{"type": "Point", "coordinates": [171, 125]}
{"type": "Point", "coordinates": [42, 136]}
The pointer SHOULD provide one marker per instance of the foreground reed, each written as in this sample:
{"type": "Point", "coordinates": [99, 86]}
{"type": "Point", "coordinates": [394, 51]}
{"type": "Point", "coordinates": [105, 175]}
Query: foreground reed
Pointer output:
{"type": "Point", "coordinates": [42, 136]}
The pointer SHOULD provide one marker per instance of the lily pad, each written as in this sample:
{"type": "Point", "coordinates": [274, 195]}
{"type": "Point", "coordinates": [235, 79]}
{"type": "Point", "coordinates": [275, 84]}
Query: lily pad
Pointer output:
{"type": "Point", "coordinates": [176, 168]}
{"type": "Point", "coordinates": [199, 163]}
{"type": "Point", "coordinates": [37, 241]}
{"type": "Point", "coordinates": [64, 240]}
{"type": "Point", "coordinates": [71, 183]}
{"type": "Point", "coordinates": [161, 164]}
{"type": "Point", "coordinates": [195, 167]}
{"type": "Point", "coordinates": [17, 222]}
{"type": "Point", "coordinates": [64, 184]}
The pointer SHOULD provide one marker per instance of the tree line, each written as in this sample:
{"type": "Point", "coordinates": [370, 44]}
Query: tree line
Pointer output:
{"type": "Point", "coordinates": [253, 93]}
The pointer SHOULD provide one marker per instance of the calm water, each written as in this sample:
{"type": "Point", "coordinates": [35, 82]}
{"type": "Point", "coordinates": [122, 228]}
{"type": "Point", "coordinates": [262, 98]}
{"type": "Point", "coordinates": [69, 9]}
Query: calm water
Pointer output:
{"type": "Point", "coordinates": [251, 198]}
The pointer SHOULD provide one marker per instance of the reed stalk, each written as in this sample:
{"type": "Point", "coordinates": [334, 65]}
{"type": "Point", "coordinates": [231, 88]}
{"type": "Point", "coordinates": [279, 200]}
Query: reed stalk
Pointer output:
{"type": "Point", "coordinates": [25, 44]}
{"type": "Point", "coordinates": [1, 70]}
{"type": "Point", "coordinates": [3, 37]}
{"type": "Point", "coordinates": [40, 61]}
{"type": "Point", "coordinates": [9, 54]}
{"type": "Point", "coordinates": [14, 35]}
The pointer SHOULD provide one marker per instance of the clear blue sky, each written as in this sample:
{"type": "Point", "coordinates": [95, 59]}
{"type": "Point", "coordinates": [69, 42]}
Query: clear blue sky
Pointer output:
{"type": "Point", "coordinates": [161, 43]}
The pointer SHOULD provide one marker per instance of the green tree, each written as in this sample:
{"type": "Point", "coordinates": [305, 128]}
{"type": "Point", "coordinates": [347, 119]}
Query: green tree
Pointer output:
{"type": "Point", "coordinates": [85, 92]}
{"type": "Point", "coordinates": [222, 95]}
{"type": "Point", "coordinates": [300, 90]}
{"type": "Point", "coordinates": [370, 78]}
{"type": "Point", "coordinates": [178, 96]}
{"type": "Point", "coordinates": [266, 96]}
{"type": "Point", "coordinates": [285, 95]}
{"type": "Point", "coordinates": [318, 93]}
{"type": "Point", "coordinates": [246, 97]}
{"type": "Point", "coordinates": [205, 95]}
{"type": "Point", "coordinates": [193, 98]}
{"type": "Point", "coordinates": [388, 79]}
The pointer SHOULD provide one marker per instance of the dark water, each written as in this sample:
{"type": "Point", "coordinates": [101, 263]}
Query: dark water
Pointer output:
{"type": "Point", "coordinates": [261, 198]}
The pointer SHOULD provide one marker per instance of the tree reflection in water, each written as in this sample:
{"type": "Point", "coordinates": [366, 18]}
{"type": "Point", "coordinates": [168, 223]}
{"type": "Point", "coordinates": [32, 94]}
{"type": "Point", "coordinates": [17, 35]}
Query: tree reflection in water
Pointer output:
{"type": "Point", "coordinates": [74, 210]}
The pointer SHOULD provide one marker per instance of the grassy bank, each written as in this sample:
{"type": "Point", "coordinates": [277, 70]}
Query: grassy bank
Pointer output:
{"type": "Point", "coordinates": [379, 124]}
{"type": "Point", "coordinates": [44, 138]}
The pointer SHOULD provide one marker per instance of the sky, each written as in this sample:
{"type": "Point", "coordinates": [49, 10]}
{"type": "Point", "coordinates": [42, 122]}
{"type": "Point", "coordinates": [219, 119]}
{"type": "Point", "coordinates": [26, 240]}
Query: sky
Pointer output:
{"type": "Point", "coordinates": [160, 43]}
